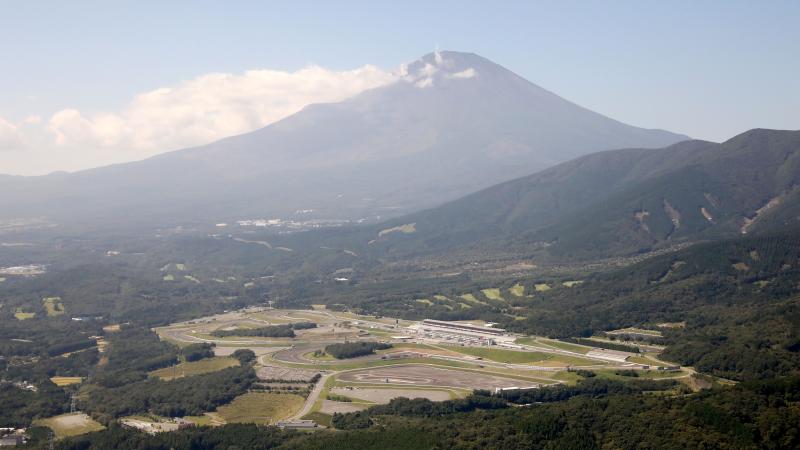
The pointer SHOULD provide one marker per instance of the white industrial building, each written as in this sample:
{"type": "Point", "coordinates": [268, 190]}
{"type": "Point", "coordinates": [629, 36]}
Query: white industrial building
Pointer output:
{"type": "Point", "coordinates": [461, 332]}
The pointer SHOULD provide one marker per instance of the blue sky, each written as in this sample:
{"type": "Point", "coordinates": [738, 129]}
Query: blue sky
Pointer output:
{"type": "Point", "coordinates": [709, 69]}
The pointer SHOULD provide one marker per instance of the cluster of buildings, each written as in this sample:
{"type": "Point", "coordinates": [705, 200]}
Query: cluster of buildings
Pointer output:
{"type": "Point", "coordinates": [297, 424]}
{"type": "Point", "coordinates": [11, 437]}
{"type": "Point", "coordinates": [24, 384]}
{"type": "Point", "coordinates": [463, 333]}
{"type": "Point", "coordinates": [176, 423]}
{"type": "Point", "coordinates": [26, 270]}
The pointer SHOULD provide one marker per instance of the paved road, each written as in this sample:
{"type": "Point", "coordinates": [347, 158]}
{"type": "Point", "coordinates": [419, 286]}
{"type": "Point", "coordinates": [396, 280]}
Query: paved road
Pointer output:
{"type": "Point", "coordinates": [312, 397]}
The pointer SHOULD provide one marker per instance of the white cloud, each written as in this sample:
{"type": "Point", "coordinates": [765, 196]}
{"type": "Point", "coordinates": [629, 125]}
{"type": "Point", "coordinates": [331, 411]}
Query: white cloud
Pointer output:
{"type": "Point", "coordinates": [437, 56]}
{"type": "Point", "coordinates": [32, 120]}
{"type": "Point", "coordinates": [10, 136]}
{"type": "Point", "coordinates": [429, 74]}
{"type": "Point", "coordinates": [210, 107]}
{"type": "Point", "coordinates": [467, 73]}
{"type": "Point", "coordinates": [424, 82]}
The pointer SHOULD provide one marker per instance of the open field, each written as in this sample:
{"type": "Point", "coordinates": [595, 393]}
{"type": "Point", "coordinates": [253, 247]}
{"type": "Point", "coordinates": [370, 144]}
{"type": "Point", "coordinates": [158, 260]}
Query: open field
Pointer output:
{"type": "Point", "coordinates": [260, 408]}
{"type": "Point", "coordinates": [319, 417]}
{"type": "Point", "coordinates": [381, 396]}
{"type": "Point", "coordinates": [566, 346]}
{"type": "Point", "coordinates": [21, 315]}
{"type": "Point", "coordinates": [493, 294]}
{"type": "Point", "coordinates": [421, 375]}
{"type": "Point", "coordinates": [65, 381]}
{"type": "Point", "coordinates": [187, 369]}
{"type": "Point", "coordinates": [472, 299]}
{"type": "Point", "coordinates": [517, 290]}
{"type": "Point", "coordinates": [53, 306]}
{"type": "Point", "coordinates": [70, 424]}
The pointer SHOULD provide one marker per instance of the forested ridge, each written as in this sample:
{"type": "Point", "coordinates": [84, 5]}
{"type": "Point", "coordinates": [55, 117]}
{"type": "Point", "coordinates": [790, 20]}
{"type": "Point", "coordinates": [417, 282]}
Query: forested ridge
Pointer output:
{"type": "Point", "coordinates": [739, 300]}
{"type": "Point", "coordinates": [753, 415]}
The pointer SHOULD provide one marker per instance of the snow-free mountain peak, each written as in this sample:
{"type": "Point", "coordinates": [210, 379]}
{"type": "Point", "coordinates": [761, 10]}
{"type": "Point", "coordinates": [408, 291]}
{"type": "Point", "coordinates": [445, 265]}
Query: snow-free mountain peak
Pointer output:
{"type": "Point", "coordinates": [451, 124]}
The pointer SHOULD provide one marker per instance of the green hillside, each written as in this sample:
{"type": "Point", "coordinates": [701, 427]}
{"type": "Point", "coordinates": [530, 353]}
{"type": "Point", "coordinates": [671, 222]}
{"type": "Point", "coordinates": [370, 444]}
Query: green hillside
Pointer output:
{"type": "Point", "coordinates": [611, 203]}
{"type": "Point", "coordinates": [738, 301]}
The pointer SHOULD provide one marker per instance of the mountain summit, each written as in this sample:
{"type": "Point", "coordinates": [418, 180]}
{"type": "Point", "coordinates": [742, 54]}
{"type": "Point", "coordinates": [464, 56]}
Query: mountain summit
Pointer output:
{"type": "Point", "coordinates": [451, 124]}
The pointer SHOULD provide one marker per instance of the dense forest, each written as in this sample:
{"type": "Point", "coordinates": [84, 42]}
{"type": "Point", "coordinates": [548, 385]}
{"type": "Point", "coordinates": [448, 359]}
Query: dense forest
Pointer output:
{"type": "Point", "coordinates": [175, 398]}
{"type": "Point", "coordinates": [286, 330]}
{"type": "Point", "coordinates": [593, 415]}
{"type": "Point", "coordinates": [738, 303]}
{"type": "Point", "coordinates": [355, 349]}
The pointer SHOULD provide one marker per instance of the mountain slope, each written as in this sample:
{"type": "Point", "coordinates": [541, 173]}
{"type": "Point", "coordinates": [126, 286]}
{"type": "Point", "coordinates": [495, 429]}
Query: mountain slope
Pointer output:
{"type": "Point", "coordinates": [452, 124]}
{"type": "Point", "coordinates": [620, 201]}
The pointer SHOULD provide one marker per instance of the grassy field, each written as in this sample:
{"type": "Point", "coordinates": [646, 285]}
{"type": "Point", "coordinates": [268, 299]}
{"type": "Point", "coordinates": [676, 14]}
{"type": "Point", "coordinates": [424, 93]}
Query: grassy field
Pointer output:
{"type": "Point", "coordinates": [194, 368]}
{"type": "Point", "coordinates": [169, 277]}
{"type": "Point", "coordinates": [321, 418]}
{"type": "Point", "coordinates": [573, 283]}
{"type": "Point", "coordinates": [570, 378]}
{"type": "Point", "coordinates": [644, 360]}
{"type": "Point", "coordinates": [566, 346]}
{"type": "Point", "coordinates": [260, 408]}
{"type": "Point", "coordinates": [565, 360]}
{"type": "Point", "coordinates": [322, 357]}
{"type": "Point", "coordinates": [541, 287]}
{"type": "Point", "coordinates": [493, 294]}
{"type": "Point", "coordinates": [499, 355]}
{"type": "Point", "coordinates": [21, 315]}
{"type": "Point", "coordinates": [471, 298]}
{"type": "Point", "coordinates": [65, 381]}
{"type": "Point", "coordinates": [203, 420]}
{"type": "Point", "coordinates": [424, 301]}
{"type": "Point", "coordinates": [517, 290]}
{"type": "Point", "coordinates": [70, 424]}
{"type": "Point", "coordinates": [53, 306]}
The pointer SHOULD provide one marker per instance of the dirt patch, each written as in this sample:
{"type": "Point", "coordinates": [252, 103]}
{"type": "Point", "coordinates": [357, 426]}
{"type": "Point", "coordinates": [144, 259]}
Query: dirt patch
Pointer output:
{"type": "Point", "coordinates": [741, 267]}
{"type": "Point", "coordinates": [331, 407]}
{"type": "Point", "coordinates": [707, 214]}
{"type": "Point", "coordinates": [674, 214]}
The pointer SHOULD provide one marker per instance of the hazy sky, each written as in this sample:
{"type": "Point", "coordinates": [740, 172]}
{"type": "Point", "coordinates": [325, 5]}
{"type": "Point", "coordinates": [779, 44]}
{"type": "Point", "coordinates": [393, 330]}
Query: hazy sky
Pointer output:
{"type": "Point", "coordinates": [90, 83]}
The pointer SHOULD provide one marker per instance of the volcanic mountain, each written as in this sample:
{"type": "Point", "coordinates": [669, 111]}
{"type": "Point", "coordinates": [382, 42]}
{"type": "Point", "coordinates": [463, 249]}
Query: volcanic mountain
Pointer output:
{"type": "Point", "coordinates": [451, 124]}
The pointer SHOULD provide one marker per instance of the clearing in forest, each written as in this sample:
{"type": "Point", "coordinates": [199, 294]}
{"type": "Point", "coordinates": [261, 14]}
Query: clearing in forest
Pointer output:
{"type": "Point", "coordinates": [187, 369]}
{"type": "Point", "coordinates": [53, 306]}
{"type": "Point", "coordinates": [260, 408]}
{"type": "Point", "coordinates": [493, 294]}
{"type": "Point", "coordinates": [65, 381]}
{"type": "Point", "coordinates": [70, 424]}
